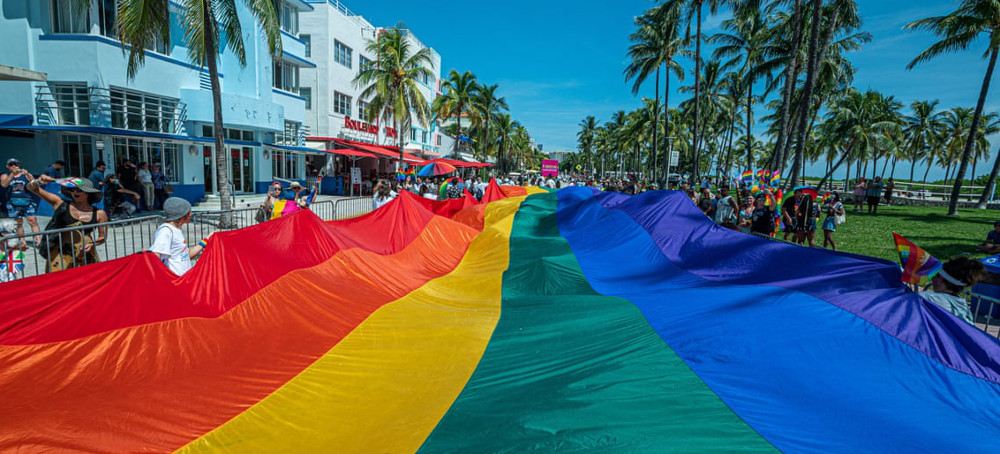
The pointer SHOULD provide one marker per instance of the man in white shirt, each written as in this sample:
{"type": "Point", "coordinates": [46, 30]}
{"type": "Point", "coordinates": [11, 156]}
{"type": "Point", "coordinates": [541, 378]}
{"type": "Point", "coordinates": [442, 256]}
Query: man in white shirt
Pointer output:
{"type": "Point", "coordinates": [168, 241]}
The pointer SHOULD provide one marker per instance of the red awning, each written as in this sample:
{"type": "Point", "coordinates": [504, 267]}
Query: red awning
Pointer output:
{"type": "Point", "coordinates": [379, 151]}
{"type": "Point", "coordinates": [460, 164]}
{"type": "Point", "coordinates": [352, 152]}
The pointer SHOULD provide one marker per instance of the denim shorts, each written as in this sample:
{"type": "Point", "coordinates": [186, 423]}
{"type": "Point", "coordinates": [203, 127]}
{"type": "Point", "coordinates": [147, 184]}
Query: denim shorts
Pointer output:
{"type": "Point", "coordinates": [23, 211]}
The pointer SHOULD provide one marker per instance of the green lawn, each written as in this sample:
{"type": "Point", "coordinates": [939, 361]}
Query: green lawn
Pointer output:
{"type": "Point", "coordinates": [944, 236]}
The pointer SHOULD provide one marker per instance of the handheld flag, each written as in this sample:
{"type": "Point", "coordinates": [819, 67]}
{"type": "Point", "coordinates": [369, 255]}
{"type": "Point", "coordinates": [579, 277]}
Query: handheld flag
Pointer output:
{"type": "Point", "coordinates": [776, 179]}
{"type": "Point", "coordinates": [747, 177]}
{"type": "Point", "coordinates": [917, 263]}
{"type": "Point", "coordinates": [12, 262]}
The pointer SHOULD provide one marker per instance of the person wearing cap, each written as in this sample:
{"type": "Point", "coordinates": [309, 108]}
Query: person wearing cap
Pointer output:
{"type": "Point", "coordinates": [956, 275]}
{"type": "Point", "coordinates": [71, 249]}
{"type": "Point", "coordinates": [169, 243]}
{"type": "Point", "coordinates": [21, 204]}
{"type": "Point", "coordinates": [992, 243]}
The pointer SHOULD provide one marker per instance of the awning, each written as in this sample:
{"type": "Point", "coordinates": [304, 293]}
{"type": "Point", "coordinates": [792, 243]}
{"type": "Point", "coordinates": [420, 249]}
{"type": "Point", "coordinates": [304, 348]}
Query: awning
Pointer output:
{"type": "Point", "coordinates": [15, 120]}
{"type": "Point", "coordinates": [380, 151]}
{"type": "Point", "coordinates": [294, 149]}
{"type": "Point", "coordinates": [351, 152]}
{"type": "Point", "coordinates": [460, 164]}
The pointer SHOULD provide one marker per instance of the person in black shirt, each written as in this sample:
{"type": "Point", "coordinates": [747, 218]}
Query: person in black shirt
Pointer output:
{"type": "Point", "coordinates": [795, 213]}
{"type": "Point", "coordinates": [762, 219]}
{"type": "Point", "coordinates": [992, 243]}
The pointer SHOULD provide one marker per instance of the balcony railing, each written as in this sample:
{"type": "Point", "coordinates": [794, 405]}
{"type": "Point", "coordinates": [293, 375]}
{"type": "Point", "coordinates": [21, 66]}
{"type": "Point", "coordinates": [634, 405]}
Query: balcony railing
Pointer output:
{"type": "Point", "coordinates": [79, 105]}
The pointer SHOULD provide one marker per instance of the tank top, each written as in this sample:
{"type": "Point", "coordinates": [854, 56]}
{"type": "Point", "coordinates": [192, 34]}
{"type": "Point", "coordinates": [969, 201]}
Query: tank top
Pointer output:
{"type": "Point", "coordinates": [723, 211]}
{"type": "Point", "coordinates": [18, 191]}
{"type": "Point", "coordinates": [63, 218]}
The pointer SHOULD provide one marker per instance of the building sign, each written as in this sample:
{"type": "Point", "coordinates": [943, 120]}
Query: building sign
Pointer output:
{"type": "Point", "coordinates": [361, 126]}
{"type": "Point", "coordinates": [355, 175]}
{"type": "Point", "coordinates": [550, 168]}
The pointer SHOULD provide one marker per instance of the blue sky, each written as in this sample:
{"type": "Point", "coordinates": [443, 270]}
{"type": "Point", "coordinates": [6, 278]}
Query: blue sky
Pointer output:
{"type": "Point", "coordinates": [556, 63]}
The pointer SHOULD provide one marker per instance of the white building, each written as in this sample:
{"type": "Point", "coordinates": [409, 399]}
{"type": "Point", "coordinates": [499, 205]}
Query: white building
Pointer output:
{"type": "Point", "coordinates": [337, 40]}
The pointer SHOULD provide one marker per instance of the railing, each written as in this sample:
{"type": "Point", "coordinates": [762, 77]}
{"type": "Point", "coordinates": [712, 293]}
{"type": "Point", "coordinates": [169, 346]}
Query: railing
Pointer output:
{"type": "Point", "coordinates": [76, 104]}
{"type": "Point", "coordinates": [133, 235]}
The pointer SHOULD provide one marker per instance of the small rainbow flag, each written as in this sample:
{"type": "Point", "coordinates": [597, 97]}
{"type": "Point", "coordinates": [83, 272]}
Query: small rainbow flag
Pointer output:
{"type": "Point", "coordinates": [917, 263]}
{"type": "Point", "coordinates": [747, 176]}
{"type": "Point", "coordinates": [776, 179]}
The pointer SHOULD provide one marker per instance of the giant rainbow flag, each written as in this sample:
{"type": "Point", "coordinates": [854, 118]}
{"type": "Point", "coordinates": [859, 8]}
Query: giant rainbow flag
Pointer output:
{"type": "Point", "coordinates": [569, 321]}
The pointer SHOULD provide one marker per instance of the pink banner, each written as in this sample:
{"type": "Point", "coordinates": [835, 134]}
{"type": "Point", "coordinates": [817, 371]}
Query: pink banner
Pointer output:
{"type": "Point", "coordinates": [550, 168]}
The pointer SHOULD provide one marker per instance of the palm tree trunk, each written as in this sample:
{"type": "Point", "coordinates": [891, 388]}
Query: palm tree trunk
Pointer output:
{"type": "Point", "coordinates": [973, 132]}
{"type": "Point", "coordinates": [892, 173]}
{"type": "Point", "coordinates": [666, 123]}
{"type": "Point", "coordinates": [458, 139]}
{"type": "Point", "coordinates": [697, 93]}
{"type": "Point", "coordinates": [749, 126]}
{"type": "Point", "coordinates": [927, 171]}
{"type": "Point", "coordinates": [656, 120]}
{"type": "Point", "coordinates": [221, 163]}
{"type": "Point", "coordinates": [843, 156]}
{"type": "Point", "coordinates": [972, 178]}
{"type": "Point", "coordinates": [913, 164]}
{"type": "Point", "coordinates": [988, 190]}
{"type": "Point", "coordinates": [791, 74]}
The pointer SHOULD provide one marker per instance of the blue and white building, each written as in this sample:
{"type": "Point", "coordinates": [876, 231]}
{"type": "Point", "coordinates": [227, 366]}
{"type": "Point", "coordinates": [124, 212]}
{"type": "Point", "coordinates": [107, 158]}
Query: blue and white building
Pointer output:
{"type": "Point", "coordinates": [89, 110]}
{"type": "Point", "coordinates": [337, 39]}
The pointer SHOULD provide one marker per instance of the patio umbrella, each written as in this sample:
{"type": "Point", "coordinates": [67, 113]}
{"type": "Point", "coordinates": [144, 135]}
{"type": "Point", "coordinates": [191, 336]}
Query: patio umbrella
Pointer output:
{"type": "Point", "coordinates": [435, 169]}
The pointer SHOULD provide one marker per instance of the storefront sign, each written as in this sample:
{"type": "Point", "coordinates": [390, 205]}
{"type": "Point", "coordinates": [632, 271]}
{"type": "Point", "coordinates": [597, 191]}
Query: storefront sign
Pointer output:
{"type": "Point", "coordinates": [360, 126]}
{"type": "Point", "coordinates": [550, 168]}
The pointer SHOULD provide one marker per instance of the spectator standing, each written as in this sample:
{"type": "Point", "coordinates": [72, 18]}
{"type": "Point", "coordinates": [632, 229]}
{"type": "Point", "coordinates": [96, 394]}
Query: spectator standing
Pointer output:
{"type": "Point", "coordinates": [128, 178]}
{"type": "Point", "coordinates": [705, 201]}
{"type": "Point", "coordinates": [146, 180]}
{"type": "Point", "coordinates": [159, 187]}
{"type": "Point", "coordinates": [834, 209]}
{"type": "Point", "coordinates": [97, 175]}
{"type": "Point", "coordinates": [55, 170]}
{"type": "Point", "coordinates": [71, 249]}
{"type": "Point", "coordinates": [114, 197]}
{"type": "Point", "coordinates": [21, 205]}
{"type": "Point", "coordinates": [874, 193]}
{"type": "Point", "coordinates": [890, 186]}
{"type": "Point", "coordinates": [992, 243]}
{"type": "Point", "coordinates": [955, 276]}
{"type": "Point", "coordinates": [168, 240]}
{"type": "Point", "coordinates": [860, 188]}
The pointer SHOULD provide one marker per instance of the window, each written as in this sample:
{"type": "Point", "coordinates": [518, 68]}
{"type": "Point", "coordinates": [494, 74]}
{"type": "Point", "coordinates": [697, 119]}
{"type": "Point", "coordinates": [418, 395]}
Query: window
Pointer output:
{"type": "Point", "coordinates": [67, 17]}
{"type": "Point", "coordinates": [308, 40]}
{"type": "Point", "coordinates": [307, 93]}
{"type": "Point", "coordinates": [289, 19]}
{"type": "Point", "coordinates": [341, 103]}
{"type": "Point", "coordinates": [284, 164]}
{"type": "Point", "coordinates": [437, 140]}
{"type": "Point", "coordinates": [131, 109]}
{"type": "Point", "coordinates": [290, 136]}
{"type": "Point", "coordinates": [362, 109]}
{"type": "Point", "coordinates": [341, 54]}
{"type": "Point", "coordinates": [423, 136]}
{"type": "Point", "coordinates": [107, 12]}
{"type": "Point", "coordinates": [286, 76]}
{"type": "Point", "coordinates": [72, 102]}
{"type": "Point", "coordinates": [153, 151]}
{"type": "Point", "coordinates": [78, 152]}
{"type": "Point", "coordinates": [364, 63]}
{"type": "Point", "coordinates": [239, 134]}
{"type": "Point", "coordinates": [413, 134]}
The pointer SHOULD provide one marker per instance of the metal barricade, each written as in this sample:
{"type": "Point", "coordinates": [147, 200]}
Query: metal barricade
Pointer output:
{"type": "Point", "coordinates": [326, 209]}
{"type": "Point", "coordinates": [352, 207]}
{"type": "Point", "coordinates": [205, 223]}
{"type": "Point", "coordinates": [983, 308]}
{"type": "Point", "coordinates": [71, 247]}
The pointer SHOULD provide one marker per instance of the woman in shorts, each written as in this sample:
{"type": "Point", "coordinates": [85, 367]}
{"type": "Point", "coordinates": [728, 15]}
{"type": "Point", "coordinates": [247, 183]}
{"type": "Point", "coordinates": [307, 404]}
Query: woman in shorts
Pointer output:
{"type": "Point", "coordinates": [834, 208]}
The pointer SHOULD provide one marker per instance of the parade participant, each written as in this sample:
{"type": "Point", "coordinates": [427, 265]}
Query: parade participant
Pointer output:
{"type": "Point", "coordinates": [383, 195]}
{"type": "Point", "coordinates": [795, 212]}
{"type": "Point", "coordinates": [834, 209]}
{"type": "Point", "coordinates": [267, 206]}
{"type": "Point", "coordinates": [874, 193]}
{"type": "Point", "coordinates": [726, 209]}
{"type": "Point", "coordinates": [168, 240]}
{"type": "Point", "coordinates": [955, 276]}
{"type": "Point", "coordinates": [889, 188]}
{"type": "Point", "coordinates": [77, 248]}
{"type": "Point", "coordinates": [21, 204]}
{"type": "Point", "coordinates": [762, 218]}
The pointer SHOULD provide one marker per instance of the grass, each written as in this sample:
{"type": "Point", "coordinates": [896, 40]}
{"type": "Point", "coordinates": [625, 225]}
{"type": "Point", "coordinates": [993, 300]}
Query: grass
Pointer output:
{"type": "Point", "coordinates": [943, 236]}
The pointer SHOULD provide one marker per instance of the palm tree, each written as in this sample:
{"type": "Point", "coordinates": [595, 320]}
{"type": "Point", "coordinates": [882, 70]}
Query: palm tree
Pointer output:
{"type": "Point", "coordinates": [791, 75]}
{"type": "Point", "coordinates": [456, 99]}
{"type": "Point", "coordinates": [692, 10]}
{"type": "Point", "coordinates": [749, 43]}
{"type": "Point", "coordinates": [920, 128]}
{"type": "Point", "coordinates": [486, 103]}
{"type": "Point", "coordinates": [585, 139]}
{"type": "Point", "coordinates": [140, 24]}
{"type": "Point", "coordinates": [391, 83]}
{"type": "Point", "coordinates": [958, 30]}
{"type": "Point", "coordinates": [856, 124]}
{"type": "Point", "coordinates": [657, 43]}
